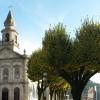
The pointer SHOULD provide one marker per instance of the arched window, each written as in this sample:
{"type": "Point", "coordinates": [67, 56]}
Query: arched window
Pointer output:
{"type": "Point", "coordinates": [7, 37]}
{"type": "Point", "coordinates": [5, 74]}
{"type": "Point", "coordinates": [17, 73]}
{"type": "Point", "coordinates": [16, 94]}
{"type": "Point", "coordinates": [5, 94]}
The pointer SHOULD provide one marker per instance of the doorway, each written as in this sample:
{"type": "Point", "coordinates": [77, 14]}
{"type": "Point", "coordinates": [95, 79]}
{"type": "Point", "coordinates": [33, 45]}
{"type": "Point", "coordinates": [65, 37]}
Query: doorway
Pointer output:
{"type": "Point", "coordinates": [5, 94]}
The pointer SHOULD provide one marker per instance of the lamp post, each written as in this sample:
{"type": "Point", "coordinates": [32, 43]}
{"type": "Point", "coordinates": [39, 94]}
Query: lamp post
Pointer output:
{"type": "Point", "coordinates": [44, 85]}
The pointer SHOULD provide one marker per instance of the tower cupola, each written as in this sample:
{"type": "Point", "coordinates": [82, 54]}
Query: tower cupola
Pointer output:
{"type": "Point", "coordinates": [9, 33]}
{"type": "Point", "coordinates": [9, 20]}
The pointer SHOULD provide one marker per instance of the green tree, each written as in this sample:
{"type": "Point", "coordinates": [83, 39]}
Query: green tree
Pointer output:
{"type": "Point", "coordinates": [57, 46]}
{"type": "Point", "coordinates": [58, 87]}
{"type": "Point", "coordinates": [36, 68]}
{"type": "Point", "coordinates": [37, 65]}
{"type": "Point", "coordinates": [76, 61]}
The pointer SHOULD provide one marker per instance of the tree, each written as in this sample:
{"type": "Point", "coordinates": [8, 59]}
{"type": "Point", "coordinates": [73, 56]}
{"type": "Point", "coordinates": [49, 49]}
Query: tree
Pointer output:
{"type": "Point", "coordinates": [36, 68]}
{"type": "Point", "coordinates": [58, 88]}
{"type": "Point", "coordinates": [37, 65]}
{"type": "Point", "coordinates": [76, 61]}
{"type": "Point", "coordinates": [55, 41]}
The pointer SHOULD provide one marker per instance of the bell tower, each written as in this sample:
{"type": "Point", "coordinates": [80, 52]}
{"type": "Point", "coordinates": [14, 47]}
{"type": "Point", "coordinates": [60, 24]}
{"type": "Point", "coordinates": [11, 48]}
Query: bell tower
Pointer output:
{"type": "Point", "coordinates": [9, 33]}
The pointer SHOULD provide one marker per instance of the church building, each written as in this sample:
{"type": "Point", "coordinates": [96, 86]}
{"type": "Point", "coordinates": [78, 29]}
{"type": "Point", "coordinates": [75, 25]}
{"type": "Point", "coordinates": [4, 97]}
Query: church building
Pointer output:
{"type": "Point", "coordinates": [14, 84]}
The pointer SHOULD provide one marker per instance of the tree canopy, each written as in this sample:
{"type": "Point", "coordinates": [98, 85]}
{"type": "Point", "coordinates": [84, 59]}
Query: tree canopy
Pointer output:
{"type": "Point", "coordinates": [37, 66]}
{"type": "Point", "coordinates": [57, 45]}
{"type": "Point", "coordinates": [75, 60]}
{"type": "Point", "coordinates": [87, 45]}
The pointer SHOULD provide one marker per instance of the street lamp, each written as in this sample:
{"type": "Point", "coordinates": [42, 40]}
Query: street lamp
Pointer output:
{"type": "Point", "coordinates": [44, 85]}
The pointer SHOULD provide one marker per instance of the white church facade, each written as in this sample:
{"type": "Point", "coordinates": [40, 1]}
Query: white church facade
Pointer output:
{"type": "Point", "coordinates": [14, 83]}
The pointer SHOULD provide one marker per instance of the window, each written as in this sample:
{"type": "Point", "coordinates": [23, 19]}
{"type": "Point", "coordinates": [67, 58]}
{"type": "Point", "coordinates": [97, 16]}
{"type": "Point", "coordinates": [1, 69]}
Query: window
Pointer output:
{"type": "Point", "coordinates": [16, 94]}
{"type": "Point", "coordinates": [17, 73]}
{"type": "Point", "coordinates": [7, 37]}
{"type": "Point", "coordinates": [5, 74]}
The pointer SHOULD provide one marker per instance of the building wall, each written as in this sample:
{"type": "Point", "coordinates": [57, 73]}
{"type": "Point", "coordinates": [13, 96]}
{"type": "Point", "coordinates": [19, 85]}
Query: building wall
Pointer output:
{"type": "Point", "coordinates": [12, 83]}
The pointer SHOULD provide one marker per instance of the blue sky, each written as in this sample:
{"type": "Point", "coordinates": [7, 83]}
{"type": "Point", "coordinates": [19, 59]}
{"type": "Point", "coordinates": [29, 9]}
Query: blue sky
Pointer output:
{"type": "Point", "coordinates": [33, 17]}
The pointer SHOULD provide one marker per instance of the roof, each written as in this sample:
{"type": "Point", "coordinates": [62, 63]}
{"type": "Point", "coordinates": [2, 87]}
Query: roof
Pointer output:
{"type": "Point", "coordinates": [7, 53]}
{"type": "Point", "coordinates": [9, 20]}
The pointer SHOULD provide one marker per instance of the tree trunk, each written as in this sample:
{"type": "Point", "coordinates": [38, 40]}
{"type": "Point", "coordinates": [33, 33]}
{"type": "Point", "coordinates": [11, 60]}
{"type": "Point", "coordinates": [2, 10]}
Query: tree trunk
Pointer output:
{"type": "Point", "coordinates": [55, 95]}
{"type": "Point", "coordinates": [39, 94]}
{"type": "Point", "coordinates": [40, 90]}
{"type": "Point", "coordinates": [76, 93]}
{"type": "Point", "coordinates": [76, 96]}
{"type": "Point", "coordinates": [58, 95]}
{"type": "Point", "coordinates": [77, 79]}
{"type": "Point", "coordinates": [51, 94]}
{"type": "Point", "coordinates": [39, 97]}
